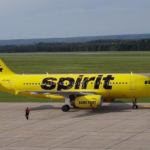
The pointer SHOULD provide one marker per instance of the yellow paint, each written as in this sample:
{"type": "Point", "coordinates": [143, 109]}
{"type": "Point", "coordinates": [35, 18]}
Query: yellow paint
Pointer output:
{"type": "Point", "coordinates": [122, 85]}
{"type": "Point", "coordinates": [144, 106]}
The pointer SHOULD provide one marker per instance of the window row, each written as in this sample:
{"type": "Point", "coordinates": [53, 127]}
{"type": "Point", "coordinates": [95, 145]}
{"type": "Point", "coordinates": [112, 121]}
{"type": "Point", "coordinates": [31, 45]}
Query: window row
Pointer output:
{"type": "Point", "coordinates": [32, 83]}
{"type": "Point", "coordinates": [97, 83]}
{"type": "Point", "coordinates": [118, 82]}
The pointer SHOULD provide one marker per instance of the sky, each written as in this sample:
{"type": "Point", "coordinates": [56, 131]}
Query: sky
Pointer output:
{"type": "Point", "coordinates": [26, 19]}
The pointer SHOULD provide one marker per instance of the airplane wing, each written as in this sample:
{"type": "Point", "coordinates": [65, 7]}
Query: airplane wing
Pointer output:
{"type": "Point", "coordinates": [62, 93]}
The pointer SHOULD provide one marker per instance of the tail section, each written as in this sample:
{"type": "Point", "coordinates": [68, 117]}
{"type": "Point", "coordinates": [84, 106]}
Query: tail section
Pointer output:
{"type": "Point", "coordinates": [4, 70]}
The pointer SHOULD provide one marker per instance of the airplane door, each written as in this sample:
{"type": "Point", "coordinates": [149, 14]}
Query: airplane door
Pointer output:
{"type": "Point", "coordinates": [133, 82]}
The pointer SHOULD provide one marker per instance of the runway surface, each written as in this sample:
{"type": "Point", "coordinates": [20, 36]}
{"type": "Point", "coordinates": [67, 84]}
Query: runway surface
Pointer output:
{"type": "Point", "coordinates": [114, 126]}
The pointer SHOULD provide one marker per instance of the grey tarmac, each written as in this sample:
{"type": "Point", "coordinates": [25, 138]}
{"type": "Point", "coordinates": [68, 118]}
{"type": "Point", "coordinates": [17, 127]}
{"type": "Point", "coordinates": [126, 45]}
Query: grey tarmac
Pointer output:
{"type": "Point", "coordinates": [113, 126]}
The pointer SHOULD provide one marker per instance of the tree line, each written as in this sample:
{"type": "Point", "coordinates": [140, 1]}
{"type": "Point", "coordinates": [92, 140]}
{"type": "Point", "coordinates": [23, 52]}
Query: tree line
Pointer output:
{"type": "Point", "coordinates": [99, 45]}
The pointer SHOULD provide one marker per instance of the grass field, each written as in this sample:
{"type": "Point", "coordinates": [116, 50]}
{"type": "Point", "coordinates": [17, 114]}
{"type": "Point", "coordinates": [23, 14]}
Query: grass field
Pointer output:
{"type": "Point", "coordinates": [82, 62]}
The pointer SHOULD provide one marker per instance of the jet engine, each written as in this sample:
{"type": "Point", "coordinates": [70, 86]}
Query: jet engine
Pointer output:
{"type": "Point", "coordinates": [88, 101]}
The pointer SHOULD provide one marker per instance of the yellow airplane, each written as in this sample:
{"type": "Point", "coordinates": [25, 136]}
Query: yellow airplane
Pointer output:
{"type": "Point", "coordinates": [78, 90]}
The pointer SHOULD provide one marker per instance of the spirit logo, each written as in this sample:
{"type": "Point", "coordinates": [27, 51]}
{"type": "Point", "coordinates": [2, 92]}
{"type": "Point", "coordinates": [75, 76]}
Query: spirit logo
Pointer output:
{"type": "Point", "coordinates": [52, 82]}
{"type": "Point", "coordinates": [1, 69]}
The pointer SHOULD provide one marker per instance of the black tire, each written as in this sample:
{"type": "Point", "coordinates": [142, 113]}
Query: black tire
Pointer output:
{"type": "Point", "coordinates": [65, 108]}
{"type": "Point", "coordinates": [135, 106]}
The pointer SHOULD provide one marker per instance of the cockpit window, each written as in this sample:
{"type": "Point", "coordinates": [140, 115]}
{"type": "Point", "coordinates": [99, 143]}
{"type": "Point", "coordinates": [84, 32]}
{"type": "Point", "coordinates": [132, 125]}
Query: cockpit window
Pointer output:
{"type": "Point", "coordinates": [147, 82]}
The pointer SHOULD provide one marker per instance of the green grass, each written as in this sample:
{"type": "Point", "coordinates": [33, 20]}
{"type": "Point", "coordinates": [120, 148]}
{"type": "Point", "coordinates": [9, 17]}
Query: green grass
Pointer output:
{"type": "Point", "coordinates": [83, 62]}
{"type": "Point", "coordinates": [140, 100]}
{"type": "Point", "coordinates": [5, 97]}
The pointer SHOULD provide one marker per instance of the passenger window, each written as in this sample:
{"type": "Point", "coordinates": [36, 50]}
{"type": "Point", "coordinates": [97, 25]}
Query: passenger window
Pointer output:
{"type": "Point", "coordinates": [26, 83]}
{"type": "Point", "coordinates": [122, 82]}
{"type": "Point", "coordinates": [29, 83]}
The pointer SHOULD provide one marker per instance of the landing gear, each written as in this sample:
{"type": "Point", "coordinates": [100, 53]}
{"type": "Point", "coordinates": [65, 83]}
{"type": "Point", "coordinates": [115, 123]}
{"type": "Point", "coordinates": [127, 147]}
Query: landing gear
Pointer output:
{"type": "Point", "coordinates": [135, 106]}
{"type": "Point", "coordinates": [65, 108]}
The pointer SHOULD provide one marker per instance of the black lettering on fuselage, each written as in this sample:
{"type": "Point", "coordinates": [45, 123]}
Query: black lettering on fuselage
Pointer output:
{"type": "Point", "coordinates": [61, 86]}
{"type": "Point", "coordinates": [47, 83]}
{"type": "Point", "coordinates": [86, 80]}
{"type": "Point", "coordinates": [78, 81]}
{"type": "Point", "coordinates": [97, 82]}
{"type": "Point", "coordinates": [52, 82]}
{"type": "Point", "coordinates": [106, 82]}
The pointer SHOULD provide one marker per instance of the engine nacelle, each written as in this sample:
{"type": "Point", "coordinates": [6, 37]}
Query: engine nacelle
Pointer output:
{"type": "Point", "coordinates": [88, 101]}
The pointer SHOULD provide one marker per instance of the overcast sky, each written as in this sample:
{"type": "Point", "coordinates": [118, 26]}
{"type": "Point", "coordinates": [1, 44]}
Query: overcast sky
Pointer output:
{"type": "Point", "coordinates": [21, 19]}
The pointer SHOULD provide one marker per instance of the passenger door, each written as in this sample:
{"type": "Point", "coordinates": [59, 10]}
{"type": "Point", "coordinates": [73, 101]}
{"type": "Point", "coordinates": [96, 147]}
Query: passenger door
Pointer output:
{"type": "Point", "coordinates": [133, 83]}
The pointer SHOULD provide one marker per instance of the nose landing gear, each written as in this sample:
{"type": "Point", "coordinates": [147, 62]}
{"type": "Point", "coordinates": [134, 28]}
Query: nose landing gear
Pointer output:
{"type": "Point", "coordinates": [135, 106]}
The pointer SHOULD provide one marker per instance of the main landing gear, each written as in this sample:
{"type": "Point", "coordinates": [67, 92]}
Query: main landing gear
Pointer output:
{"type": "Point", "coordinates": [135, 106]}
{"type": "Point", "coordinates": [65, 108]}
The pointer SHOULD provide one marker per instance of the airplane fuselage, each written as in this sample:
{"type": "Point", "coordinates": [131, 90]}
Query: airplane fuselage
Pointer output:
{"type": "Point", "coordinates": [82, 90]}
{"type": "Point", "coordinates": [108, 85]}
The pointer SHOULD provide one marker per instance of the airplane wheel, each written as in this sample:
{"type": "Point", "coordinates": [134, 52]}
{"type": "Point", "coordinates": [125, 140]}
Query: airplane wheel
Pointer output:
{"type": "Point", "coordinates": [135, 106]}
{"type": "Point", "coordinates": [65, 108]}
